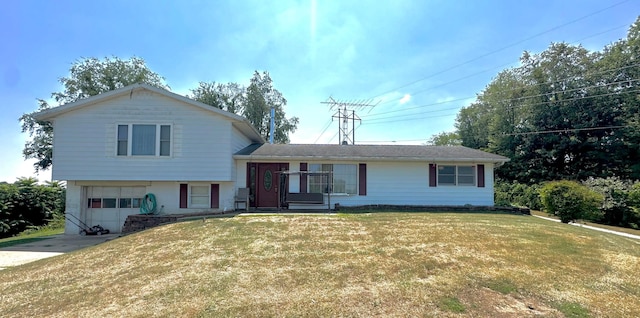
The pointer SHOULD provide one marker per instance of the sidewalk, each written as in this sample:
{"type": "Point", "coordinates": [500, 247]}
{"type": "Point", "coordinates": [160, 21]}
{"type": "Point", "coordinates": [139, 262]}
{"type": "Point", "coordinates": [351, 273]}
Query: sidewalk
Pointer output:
{"type": "Point", "coordinates": [637, 237]}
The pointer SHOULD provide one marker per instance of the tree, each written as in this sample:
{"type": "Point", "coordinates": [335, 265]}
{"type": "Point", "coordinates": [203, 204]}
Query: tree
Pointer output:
{"type": "Point", "coordinates": [230, 97]}
{"type": "Point", "coordinates": [87, 77]}
{"type": "Point", "coordinates": [445, 139]}
{"type": "Point", "coordinates": [253, 102]}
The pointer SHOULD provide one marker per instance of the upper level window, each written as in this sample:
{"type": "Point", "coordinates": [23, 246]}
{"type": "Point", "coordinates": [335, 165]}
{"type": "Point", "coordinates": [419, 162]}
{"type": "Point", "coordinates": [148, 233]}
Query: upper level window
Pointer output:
{"type": "Point", "coordinates": [344, 178]}
{"type": "Point", "coordinates": [144, 140]}
{"type": "Point", "coordinates": [457, 175]}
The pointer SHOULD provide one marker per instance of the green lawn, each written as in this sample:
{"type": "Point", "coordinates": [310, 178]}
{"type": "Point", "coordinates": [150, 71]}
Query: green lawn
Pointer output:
{"type": "Point", "coordinates": [31, 237]}
{"type": "Point", "coordinates": [356, 265]}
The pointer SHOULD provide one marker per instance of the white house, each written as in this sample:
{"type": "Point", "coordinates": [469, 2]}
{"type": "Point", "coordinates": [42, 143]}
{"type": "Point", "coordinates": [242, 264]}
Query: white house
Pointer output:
{"type": "Point", "coordinates": [116, 147]}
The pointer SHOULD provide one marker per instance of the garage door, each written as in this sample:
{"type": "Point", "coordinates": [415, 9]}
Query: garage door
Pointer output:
{"type": "Point", "coordinates": [110, 206]}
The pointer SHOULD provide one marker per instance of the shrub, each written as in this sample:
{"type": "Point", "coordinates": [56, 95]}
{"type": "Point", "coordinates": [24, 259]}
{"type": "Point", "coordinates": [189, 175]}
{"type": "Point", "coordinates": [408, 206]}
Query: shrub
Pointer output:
{"type": "Point", "coordinates": [569, 200]}
{"type": "Point", "coordinates": [615, 208]}
{"type": "Point", "coordinates": [517, 194]}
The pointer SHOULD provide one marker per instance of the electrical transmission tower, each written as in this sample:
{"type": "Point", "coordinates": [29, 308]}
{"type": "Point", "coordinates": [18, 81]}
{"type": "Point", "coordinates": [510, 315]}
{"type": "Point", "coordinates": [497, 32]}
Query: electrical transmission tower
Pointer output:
{"type": "Point", "coordinates": [345, 112]}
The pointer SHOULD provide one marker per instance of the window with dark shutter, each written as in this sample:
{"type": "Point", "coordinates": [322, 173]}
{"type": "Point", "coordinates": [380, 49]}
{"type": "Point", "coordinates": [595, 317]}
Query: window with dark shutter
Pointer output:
{"type": "Point", "coordinates": [362, 179]}
{"type": "Point", "coordinates": [433, 175]}
{"type": "Point", "coordinates": [215, 196]}
{"type": "Point", "coordinates": [303, 178]}
{"type": "Point", "coordinates": [184, 194]}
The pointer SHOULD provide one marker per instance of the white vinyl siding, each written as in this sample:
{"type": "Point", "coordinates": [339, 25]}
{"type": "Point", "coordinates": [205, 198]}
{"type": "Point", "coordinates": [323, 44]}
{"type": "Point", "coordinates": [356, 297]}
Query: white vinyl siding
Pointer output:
{"type": "Point", "coordinates": [88, 147]}
{"type": "Point", "coordinates": [456, 175]}
{"type": "Point", "coordinates": [399, 183]}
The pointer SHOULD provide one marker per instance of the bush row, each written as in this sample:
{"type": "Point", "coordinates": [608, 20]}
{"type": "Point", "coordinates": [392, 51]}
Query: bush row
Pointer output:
{"type": "Point", "coordinates": [602, 200]}
{"type": "Point", "coordinates": [25, 204]}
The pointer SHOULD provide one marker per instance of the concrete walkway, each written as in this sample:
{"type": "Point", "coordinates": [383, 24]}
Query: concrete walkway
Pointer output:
{"type": "Point", "coordinates": [637, 237]}
{"type": "Point", "coordinates": [54, 245]}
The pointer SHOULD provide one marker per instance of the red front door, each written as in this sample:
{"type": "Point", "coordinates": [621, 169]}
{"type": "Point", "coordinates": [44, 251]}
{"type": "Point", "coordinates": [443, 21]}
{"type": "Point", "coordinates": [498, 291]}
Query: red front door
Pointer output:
{"type": "Point", "coordinates": [267, 183]}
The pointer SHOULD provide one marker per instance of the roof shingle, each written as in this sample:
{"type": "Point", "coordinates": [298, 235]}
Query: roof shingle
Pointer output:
{"type": "Point", "coordinates": [372, 152]}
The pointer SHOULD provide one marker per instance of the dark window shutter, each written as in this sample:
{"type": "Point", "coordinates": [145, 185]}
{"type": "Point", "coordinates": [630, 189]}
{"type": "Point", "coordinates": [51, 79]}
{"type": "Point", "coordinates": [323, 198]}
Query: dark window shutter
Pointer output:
{"type": "Point", "coordinates": [433, 177]}
{"type": "Point", "coordinates": [362, 179]}
{"type": "Point", "coordinates": [303, 178]}
{"type": "Point", "coordinates": [480, 176]}
{"type": "Point", "coordinates": [183, 195]}
{"type": "Point", "coordinates": [215, 196]}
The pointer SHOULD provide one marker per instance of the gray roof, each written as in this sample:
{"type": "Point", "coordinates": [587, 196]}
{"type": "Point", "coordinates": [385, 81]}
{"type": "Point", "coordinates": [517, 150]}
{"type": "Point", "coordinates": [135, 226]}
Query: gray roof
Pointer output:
{"type": "Point", "coordinates": [367, 152]}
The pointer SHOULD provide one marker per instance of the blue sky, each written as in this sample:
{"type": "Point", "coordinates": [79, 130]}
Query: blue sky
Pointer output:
{"type": "Point", "coordinates": [351, 50]}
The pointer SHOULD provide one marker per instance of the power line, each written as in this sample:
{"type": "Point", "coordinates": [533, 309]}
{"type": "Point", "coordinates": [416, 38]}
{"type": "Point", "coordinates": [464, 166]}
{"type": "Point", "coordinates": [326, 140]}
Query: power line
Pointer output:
{"type": "Point", "coordinates": [508, 90]}
{"type": "Point", "coordinates": [521, 98]}
{"type": "Point", "coordinates": [324, 130]}
{"type": "Point", "coordinates": [519, 106]}
{"type": "Point", "coordinates": [516, 134]}
{"type": "Point", "coordinates": [562, 130]}
{"type": "Point", "coordinates": [495, 67]}
{"type": "Point", "coordinates": [505, 47]}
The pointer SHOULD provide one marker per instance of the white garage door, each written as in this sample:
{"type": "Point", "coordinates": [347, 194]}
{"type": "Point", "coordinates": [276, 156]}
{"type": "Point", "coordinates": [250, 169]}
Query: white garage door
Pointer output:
{"type": "Point", "coordinates": [110, 206]}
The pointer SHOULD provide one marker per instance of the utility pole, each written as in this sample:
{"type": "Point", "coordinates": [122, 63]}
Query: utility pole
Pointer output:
{"type": "Point", "coordinates": [345, 112]}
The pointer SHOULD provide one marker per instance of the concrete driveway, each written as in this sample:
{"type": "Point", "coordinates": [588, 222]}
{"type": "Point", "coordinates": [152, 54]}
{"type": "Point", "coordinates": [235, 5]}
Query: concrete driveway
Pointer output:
{"type": "Point", "coordinates": [55, 245]}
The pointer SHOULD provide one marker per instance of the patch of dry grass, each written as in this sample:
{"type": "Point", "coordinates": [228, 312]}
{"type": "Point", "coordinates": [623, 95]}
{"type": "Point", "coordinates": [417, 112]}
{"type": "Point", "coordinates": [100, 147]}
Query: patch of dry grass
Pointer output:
{"type": "Point", "coordinates": [361, 265]}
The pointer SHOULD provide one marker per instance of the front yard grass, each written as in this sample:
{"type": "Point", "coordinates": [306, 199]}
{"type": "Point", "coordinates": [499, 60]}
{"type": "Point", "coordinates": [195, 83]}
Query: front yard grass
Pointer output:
{"type": "Point", "coordinates": [31, 237]}
{"type": "Point", "coordinates": [356, 265]}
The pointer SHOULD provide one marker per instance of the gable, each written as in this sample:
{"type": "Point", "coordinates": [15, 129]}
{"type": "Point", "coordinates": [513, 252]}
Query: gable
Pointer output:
{"type": "Point", "coordinates": [145, 100]}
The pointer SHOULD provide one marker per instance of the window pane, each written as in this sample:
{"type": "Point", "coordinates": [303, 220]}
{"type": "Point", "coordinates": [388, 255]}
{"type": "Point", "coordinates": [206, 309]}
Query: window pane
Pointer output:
{"type": "Point", "coordinates": [344, 178]}
{"type": "Point", "coordinates": [165, 140]}
{"type": "Point", "coordinates": [200, 201]}
{"type": "Point", "coordinates": [446, 169]}
{"type": "Point", "coordinates": [466, 180]}
{"type": "Point", "coordinates": [466, 170]}
{"type": "Point", "coordinates": [143, 141]}
{"type": "Point", "coordinates": [125, 203]}
{"type": "Point", "coordinates": [164, 148]}
{"type": "Point", "coordinates": [446, 180]}
{"type": "Point", "coordinates": [200, 196]}
{"type": "Point", "coordinates": [109, 203]}
{"type": "Point", "coordinates": [447, 175]}
{"type": "Point", "coordinates": [318, 182]}
{"type": "Point", "coordinates": [165, 132]}
{"type": "Point", "coordinates": [95, 203]}
{"type": "Point", "coordinates": [135, 202]}
{"type": "Point", "coordinates": [199, 190]}
{"type": "Point", "coordinates": [123, 136]}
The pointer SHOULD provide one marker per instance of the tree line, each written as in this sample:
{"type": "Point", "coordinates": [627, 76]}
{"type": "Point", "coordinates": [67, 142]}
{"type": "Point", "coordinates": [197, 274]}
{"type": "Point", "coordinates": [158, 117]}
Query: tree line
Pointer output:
{"type": "Point", "coordinates": [565, 113]}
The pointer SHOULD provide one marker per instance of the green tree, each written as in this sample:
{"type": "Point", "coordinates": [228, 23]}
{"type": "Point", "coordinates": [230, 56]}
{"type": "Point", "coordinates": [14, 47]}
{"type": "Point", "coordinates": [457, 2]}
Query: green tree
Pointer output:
{"type": "Point", "coordinates": [87, 77]}
{"type": "Point", "coordinates": [253, 102]}
{"type": "Point", "coordinates": [261, 97]}
{"type": "Point", "coordinates": [230, 96]}
{"type": "Point", "coordinates": [445, 139]}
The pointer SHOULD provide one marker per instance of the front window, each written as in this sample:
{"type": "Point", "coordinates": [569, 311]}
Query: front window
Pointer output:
{"type": "Point", "coordinates": [199, 197]}
{"type": "Point", "coordinates": [144, 140]}
{"type": "Point", "coordinates": [457, 175]}
{"type": "Point", "coordinates": [343, 179]}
